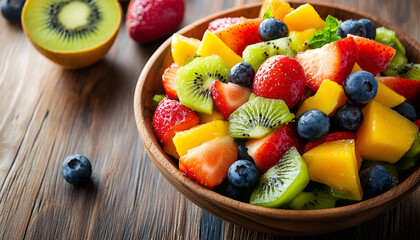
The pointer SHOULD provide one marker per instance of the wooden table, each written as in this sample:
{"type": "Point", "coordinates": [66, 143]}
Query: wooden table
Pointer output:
{"type": "Point", "coordinates": [47, 113]}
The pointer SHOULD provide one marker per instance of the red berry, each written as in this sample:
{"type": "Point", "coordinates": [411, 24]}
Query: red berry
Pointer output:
{"type": "Point", "coordinates": [329, 138]}
{"type": "Point", "coordinates": [222, 23]}
{"type": "Point", "coordinates": [168, 81]}
{"type": "Point", "coordinates": [229, 96]}
{"type": "Point", "coordinates": [280, 77]}
{"type": "Point", "coordinates": [148, 20]}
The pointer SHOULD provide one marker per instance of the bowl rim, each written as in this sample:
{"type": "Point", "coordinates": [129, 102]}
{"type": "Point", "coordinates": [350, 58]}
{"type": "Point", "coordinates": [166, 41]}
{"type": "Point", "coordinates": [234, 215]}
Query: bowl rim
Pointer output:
{"type": "Point", "coordinates": [393, 196]}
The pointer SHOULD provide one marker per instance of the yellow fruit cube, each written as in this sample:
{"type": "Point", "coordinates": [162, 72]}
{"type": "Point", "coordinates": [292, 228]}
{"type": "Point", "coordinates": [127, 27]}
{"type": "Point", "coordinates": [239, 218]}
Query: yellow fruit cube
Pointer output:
{"type": "Point", "coordinates": [384, 134]}
{"type": "Point", "coordinates": [206, 118]}
{"type": "Point", "coordinates": [280, 8]}
{"type": "Point", "coordinates": [328, 98]}
{"type": "Point", "coordinates": [181, 47]}
{"type": "Point", "coordinates": [303, 37]}
{"type": "Point", "coordinates": [356, 68]}
{"type": "Point", "coordinates": [387, 96]}
{"type": "Point", "coordinates": [304, 17]}
{"type": "Point", "coordinates": [194, 137]}
{"type": "Point", "coordinates": [211, 45]}
{"type": "Point", "coordinates": [336, 164]}
{"type": "Point", "coordinates": [170, 149]}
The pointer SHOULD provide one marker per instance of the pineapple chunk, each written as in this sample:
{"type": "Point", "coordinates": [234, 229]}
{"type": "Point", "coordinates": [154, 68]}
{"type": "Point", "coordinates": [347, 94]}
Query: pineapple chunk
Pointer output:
{"type": "Point", "coordinates": [304, 17]}
{"type": "Point", "coordinates": [303, 37]}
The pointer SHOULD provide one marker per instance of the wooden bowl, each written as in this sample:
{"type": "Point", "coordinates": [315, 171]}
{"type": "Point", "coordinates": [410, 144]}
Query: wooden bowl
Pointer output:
{"type": "Point", "coordinates": [278, 221]}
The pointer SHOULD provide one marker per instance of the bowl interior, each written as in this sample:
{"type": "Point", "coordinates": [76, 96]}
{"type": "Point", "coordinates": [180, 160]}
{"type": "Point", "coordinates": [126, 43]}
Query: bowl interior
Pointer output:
{"type": "Point", "coordinates": [286, 222]}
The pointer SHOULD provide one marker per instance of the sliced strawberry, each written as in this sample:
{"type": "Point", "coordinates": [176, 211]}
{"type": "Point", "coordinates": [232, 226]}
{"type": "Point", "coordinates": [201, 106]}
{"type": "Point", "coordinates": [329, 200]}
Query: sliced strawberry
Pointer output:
{"type": "Point", "coordinates": [240, 35]}
{"type": "Point", "coordinates": [280, 77]}
{"type": "Point", "coordinates": [372, 56]}
{"type": "Point", "coordinates": [329, 138]}
{"type": "Point", "coordinates": [168, 81]}
{"type": "Point", "coordinates": [333, 61]}
{"type": "Point", "coordinates": [408, 88]}
{"type": "Point", "coordinates": [418, 123]}
{"type": "Point", "coordinates": [208, 164]}
{"type": "Point", "coordinates": [171, 116]}
{"type": "Point", "coordinates": [267, 151]}
{"type": "Point", "coordinates": [222, 23]}
{"type": "Point", "coordinates": [229, 96]}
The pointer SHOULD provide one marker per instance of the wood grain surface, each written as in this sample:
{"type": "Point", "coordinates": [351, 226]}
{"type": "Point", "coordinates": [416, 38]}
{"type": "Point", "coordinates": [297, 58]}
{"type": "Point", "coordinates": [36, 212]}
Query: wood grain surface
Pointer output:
{"type": "Point", "coordinates": [47, 113]}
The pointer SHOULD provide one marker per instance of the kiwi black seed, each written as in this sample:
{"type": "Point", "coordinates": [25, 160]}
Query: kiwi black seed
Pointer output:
{"type": "Point", "coordinates": [193, 82]}
{"type": "Point", "coordinates": [256, 54]}
{"type": "Point", "coordinates": [258, 117]}
{"type": "Point", "coordinates": [317, 199]}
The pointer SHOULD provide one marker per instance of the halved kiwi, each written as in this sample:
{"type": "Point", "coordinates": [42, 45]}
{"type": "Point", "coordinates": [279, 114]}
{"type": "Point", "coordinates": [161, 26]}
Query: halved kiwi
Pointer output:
{"type": "Point", "coordinates": [283, 182]}
{"type": "Point", "coordinates": [258, 117]}
{"type": "Point", "coordinates": [193, 82]}
{"type": "Point", "coordinates": [72, 33]}
{"type": "Point", "coordinates": [317, 199]}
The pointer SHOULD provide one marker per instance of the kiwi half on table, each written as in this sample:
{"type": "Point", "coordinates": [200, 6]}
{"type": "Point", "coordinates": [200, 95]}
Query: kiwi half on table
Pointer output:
{"type": "Point", "coordinates": [193, 82]}
{"type": "Point", "coordinates": [72, 33]}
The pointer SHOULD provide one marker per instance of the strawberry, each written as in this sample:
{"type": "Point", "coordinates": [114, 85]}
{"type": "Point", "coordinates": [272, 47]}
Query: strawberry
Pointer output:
{"type": "Point", "coordinates": [372, 56]}
{"type": "Point", "coordinates": [240, 35]}
{"type": "Point", "coordinates": [329, 138]}
{"type": "Point", "coordinates": [208, 164]}
{"type": "Point", "coordinates": [267, 151]}
{"type": "Point", "coordinates": [168, 81]}
{"type": "Point", "coordinates": [229, 96]}
{"type": "Point", "coordinates": [418, 123]}
{"type": "Point", "coordinates": [280, 77]}
{"type": "Point", "coordinates": [408, 88]}
{"type": "Point", "coordinates": [333, 61]}
{"type": "Point", "coordinates": [171, 116]}
{"type": "Point", "coordinates": [148, 20]}
{"type": "Point", "coordinates": [222, 23]}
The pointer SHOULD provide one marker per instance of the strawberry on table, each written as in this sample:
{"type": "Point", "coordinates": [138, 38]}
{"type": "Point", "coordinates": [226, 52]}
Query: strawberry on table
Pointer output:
{"type": "Point", "coordinates": [168, 80]}
{"type": "Point", "coordinates": [333, 61]}
{"type": "Point", "coordinates": [267, 151]}
{"type": "Point", "coordinates": [373, 56]}
{"type": "Point", "coordinates": [222, 23]}
{"type": "Point", "coordinates": [280, 77]}
{"type": "Point", "coordinates": [171, 116]}
{"type": "Point", "coordinates": [208, 164]}
{"type": "Point", "coordinates": [229, 96]}
{"type": "Point", "coordinates": [329, 138]}
{"type": "Point", "coordinates": [240, 35]}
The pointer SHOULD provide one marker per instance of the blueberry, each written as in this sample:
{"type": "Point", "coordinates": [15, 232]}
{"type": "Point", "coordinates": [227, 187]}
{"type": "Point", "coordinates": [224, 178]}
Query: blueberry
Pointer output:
{"type": "Point", "coordinates": [369, 27]}
{"type": "Point", "coordinates": [272, 28]}
{"type": "Point", "coordinates": [348, 118]}
{"type": "Point", "coordinates": [352, 27]}
{"type": "Point", "coordinates": [243, 174]}
{"type": "Point", "coordinates": [375, 180]}
{"type": "Point", "coordinates": [361, 87]}
{"type": "Point", "coordinates": [76, 169]}
{"type": "Point", "coordinates": [407, 110]}
{"type": "Point", "coordinates": [12, 9]}
{"type": "Point", "coordinates": [313, 125]}
{"type": "Point", "coordinates": [242, 74]}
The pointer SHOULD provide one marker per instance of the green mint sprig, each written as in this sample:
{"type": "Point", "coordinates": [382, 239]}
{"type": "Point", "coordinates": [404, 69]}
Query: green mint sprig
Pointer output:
{"type": "Point", "coordinates": [326, 35]}
{"type": "Point", "coordinates": [268, 13]}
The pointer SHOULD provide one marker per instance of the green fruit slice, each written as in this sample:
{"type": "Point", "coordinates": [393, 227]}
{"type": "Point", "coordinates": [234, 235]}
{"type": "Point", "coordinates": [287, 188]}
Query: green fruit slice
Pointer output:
{"type": "Point", "coordinates": [258, 117]}
{"type": "Point", "coordinates": [193, 82]}
{"type": "Point", "coordinates": [256, 54]}
{"type": "Point", "coordinates": [317, 199]}
{"type": "Point", "coordinates": [281, 183]}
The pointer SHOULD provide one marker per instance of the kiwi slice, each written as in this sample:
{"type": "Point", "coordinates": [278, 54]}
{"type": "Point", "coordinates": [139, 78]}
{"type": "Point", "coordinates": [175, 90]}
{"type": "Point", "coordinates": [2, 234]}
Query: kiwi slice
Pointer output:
{"type": "Point", "coordinates": [258, 117]}
{"type": "Point", "coordinates": [317, 199]}
{"type": "Point", "coordinates": [193, 82]}
{"type": "Point", "coordinates": [387, 37]}
{"type": "Point", "coordinates": [414, 150]}
{"type": "Point", "coordinates": [407, 165]}
{"type": "Point", "coordinates": [282, 182]}
{"type": "Point", "coordinates": [71, 25]}
{"type": "Point", "coordinates": [157, 99]}
{"type": "Point", "coordinates": [256, 54]}
{"type": "Point", "coordinates": [410, 71]}
{"type": "Point", "coordinates": [396, 64]}
{"type": "Point", "coordinates": [392, 169]}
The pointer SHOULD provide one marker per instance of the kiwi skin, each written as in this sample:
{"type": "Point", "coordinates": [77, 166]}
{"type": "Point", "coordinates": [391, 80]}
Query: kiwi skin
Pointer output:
{"type": "Point", "coordinates": [74, 59]}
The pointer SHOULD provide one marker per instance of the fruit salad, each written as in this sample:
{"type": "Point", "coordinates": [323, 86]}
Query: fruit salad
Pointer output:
{"type": "Point", "coordinates": [290, 110]}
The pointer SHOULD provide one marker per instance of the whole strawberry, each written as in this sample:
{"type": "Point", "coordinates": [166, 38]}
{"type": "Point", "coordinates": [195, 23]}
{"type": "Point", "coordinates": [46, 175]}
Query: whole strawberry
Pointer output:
{"type": "Point", "coordinates": [148, 20]}
{"type": "Point", "coordinates": [280, 77]}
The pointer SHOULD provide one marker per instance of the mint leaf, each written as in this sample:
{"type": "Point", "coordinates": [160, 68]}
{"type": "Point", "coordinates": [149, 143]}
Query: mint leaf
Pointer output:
{"type": "Point", "coordinates": [326, 35]}
{"type": "Point", "coordinates": [268, 13]}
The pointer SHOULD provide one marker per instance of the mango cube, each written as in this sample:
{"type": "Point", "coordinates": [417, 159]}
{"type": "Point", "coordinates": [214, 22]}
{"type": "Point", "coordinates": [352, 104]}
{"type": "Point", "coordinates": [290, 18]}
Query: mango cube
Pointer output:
{"type": "Point", "coordinates": [328, 98]}
{"type": "Point", "coordinates": [384, 134]}
{"type": "Point", "coordinates": [280, 8]}
{"type": "Point", "coordinates": [206, 118]}
{"type": "Point", "coordinates": [336, 164]}
{"type": "Point", "coordinates": [194, 137]}
{"type": "Point", "coordinates": [181, 47]}
{"type": "Point", "coordinates": [387, 96]}
{"type": "Point", "coordinates": [211, 45]}
{"type": "Point", "coordinates": [304, 17]}
{"type": "Point", "coordinates": [356, 68]}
